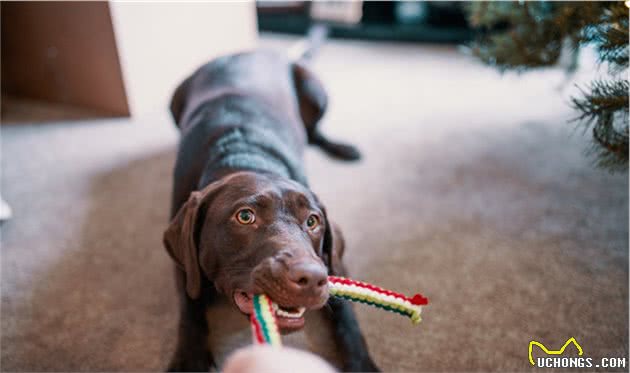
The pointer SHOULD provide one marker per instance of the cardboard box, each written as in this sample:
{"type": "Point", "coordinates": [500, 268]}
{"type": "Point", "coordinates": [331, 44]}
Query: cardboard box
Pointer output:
{"type": "Point", "coordinates": [69, 60]}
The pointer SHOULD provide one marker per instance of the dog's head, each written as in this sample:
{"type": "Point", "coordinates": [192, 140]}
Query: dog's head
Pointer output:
{"type": "Point", "coordinates": [252, 233]}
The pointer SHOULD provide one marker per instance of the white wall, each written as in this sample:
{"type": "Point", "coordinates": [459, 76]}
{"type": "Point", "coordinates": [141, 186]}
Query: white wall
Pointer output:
{"type": "Point", "coordinates": [160, 43]}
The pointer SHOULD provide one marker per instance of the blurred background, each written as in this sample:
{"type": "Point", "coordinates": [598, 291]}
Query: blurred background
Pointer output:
{"type": "Point", "coordinates": [494, 177]}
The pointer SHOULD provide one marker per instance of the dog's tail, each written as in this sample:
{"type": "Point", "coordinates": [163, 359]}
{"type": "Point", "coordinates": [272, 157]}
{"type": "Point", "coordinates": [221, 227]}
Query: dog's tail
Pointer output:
{"type": "Point", "coordinates": [312, 96]}
{"type": "Point", "coordinates": [305, 49]}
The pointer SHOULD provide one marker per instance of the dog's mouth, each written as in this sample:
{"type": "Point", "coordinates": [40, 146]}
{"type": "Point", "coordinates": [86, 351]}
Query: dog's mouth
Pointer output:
{"type": "Point", "coordinates": [289, 317]}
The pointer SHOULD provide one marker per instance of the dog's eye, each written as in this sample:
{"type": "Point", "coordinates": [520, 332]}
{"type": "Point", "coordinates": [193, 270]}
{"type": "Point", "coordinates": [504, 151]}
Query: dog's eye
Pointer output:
{"type": "Point", "coordinates": [312, 222]}
{"type": "Point", "coordinates": [245, 216]}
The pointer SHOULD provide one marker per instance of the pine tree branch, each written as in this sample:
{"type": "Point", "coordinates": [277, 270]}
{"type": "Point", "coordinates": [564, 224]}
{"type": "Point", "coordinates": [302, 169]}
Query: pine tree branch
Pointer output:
{"type": "Point", "coordinates": [605, 108]}
{"type": "Point", "coordinates": [610, 37]}
{"type": "Point", "coordinates": [526, 35]}
{"type": "Point", "coordinates": [604, 98]}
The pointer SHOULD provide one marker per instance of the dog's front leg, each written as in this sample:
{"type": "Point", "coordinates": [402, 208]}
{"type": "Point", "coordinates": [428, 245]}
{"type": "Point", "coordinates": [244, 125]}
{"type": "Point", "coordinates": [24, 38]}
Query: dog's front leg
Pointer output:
{"type": "Point", "coordinates": [192, 353]}
{"type": "Point", "coordinates": [356, 357]}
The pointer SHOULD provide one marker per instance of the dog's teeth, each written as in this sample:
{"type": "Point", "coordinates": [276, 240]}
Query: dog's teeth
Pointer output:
{"type": "Point", "coordinates": [291, 315]}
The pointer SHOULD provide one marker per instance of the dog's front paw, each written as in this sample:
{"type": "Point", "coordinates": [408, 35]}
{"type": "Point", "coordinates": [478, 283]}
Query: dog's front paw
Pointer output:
{"type": "Point", "coordinates": [361, 365]}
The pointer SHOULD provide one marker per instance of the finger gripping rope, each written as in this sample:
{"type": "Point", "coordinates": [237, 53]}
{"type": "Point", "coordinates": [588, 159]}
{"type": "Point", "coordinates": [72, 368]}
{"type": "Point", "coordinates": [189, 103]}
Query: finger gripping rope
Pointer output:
{"type": "Point", "coordinates": [263, 319]}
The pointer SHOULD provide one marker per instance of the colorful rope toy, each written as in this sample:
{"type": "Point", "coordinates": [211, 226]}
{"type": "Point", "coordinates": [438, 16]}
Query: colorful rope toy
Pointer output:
{"type": "Point", "coordinates": [263, 319]}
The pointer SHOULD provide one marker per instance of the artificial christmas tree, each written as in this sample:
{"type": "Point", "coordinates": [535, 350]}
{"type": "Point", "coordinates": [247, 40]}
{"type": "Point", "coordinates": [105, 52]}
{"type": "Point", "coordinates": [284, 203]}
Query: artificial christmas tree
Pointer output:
{"type": "Point", "coordinates": [526, 35]}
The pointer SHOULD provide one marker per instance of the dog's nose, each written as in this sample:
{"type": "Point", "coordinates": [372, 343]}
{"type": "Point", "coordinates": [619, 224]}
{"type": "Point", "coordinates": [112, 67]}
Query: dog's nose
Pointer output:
{"type": "Point", "coordinates": [308, 276]}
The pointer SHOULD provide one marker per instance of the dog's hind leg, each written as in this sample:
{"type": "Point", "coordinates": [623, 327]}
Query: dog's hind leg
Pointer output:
{"type": "Point", "coordinates": [312, 100]}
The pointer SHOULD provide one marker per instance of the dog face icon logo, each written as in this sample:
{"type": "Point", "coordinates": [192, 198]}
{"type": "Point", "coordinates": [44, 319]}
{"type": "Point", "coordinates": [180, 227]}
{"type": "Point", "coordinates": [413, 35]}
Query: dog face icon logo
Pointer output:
{"type": "Point", "coordinates": [553, 352]}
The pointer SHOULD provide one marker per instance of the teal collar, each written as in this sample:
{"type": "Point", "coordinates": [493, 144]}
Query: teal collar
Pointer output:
{"type": "Point", "coordinates": [255, 149]}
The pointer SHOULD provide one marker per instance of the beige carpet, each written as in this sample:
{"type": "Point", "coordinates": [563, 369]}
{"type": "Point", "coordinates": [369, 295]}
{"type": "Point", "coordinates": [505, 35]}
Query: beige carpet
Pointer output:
{"type": "Point", "coordinates": [473, 190]}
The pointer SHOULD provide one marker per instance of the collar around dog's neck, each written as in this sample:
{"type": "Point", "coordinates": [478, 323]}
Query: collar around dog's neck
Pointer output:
{"type": "Point", "coordinates": [254, 149]}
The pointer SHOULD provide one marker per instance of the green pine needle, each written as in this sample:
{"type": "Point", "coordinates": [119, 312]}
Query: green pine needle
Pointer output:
{"type": "Point", "coordinates": [520, 36]}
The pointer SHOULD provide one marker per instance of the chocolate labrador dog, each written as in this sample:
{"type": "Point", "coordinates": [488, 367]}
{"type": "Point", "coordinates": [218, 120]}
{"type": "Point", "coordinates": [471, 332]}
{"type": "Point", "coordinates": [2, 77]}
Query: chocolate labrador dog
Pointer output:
{"type": "Point", "coordinates": [243, 218]}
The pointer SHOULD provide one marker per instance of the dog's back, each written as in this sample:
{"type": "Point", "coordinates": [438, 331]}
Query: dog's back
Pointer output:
{"type": "Point", "coordinates": [263, 105]}
{"type": "Point", "coordinates": [266, 76]}
{"type": "Point", "coordinates": [237, 112]}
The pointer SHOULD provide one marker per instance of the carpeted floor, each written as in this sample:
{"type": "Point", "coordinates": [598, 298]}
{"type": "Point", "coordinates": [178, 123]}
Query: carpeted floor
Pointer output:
{"type": "Point", "coordinates": [473, 190]}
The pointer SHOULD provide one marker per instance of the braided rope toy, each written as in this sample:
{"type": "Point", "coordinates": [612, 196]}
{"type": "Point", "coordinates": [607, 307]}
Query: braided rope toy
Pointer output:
{"type": "Point", "coordinates": [263, 319]}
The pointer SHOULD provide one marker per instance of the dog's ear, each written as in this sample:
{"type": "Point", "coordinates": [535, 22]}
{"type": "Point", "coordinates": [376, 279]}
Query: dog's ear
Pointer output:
{"type": "Point", "coordinates": [178, 101]}
{"type": "Point", "coordinates": [333, 248]}
{"type": "Point", "coordinates": [181, 238]}
{"type": "Point", "coordinates": [311, 95]}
